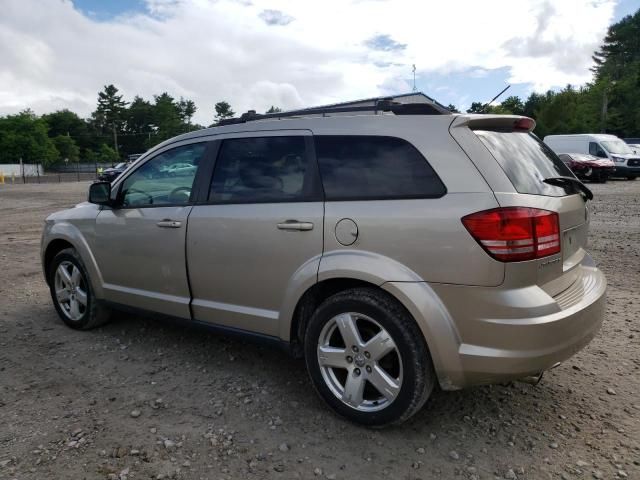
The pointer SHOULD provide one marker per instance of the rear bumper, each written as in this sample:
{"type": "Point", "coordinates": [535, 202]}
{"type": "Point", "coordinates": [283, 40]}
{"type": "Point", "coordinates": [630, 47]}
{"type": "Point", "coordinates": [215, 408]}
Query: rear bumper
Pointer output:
{"type": "Point", "coordinates": [508, 334]}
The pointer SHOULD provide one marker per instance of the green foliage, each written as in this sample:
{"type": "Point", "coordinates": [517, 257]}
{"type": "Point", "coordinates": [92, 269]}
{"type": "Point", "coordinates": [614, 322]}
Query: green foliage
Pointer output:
{"type": "Point", "coordinates": [223, 110]}
{"type": "Point", "coordinates": [24, 137]}
{"type": "Point", "coordinates": [67, 148]}
{"type": "Point", "coordinates": [452, 108]}
{"type": "Point", "coordinates": [476, 107]}
{"type": "Point", "coordinates": [106, 154]}
{"type": "Point", "coordinates": [273, 109]}
{"type": "Point", "coordinates": [110, 108]}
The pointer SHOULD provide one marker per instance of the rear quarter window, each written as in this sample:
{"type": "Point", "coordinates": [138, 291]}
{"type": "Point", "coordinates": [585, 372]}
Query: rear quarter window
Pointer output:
{"type": "Point", "coordinates": [372, 167]}
{"type": "Point", "coordinates": [526, 161]}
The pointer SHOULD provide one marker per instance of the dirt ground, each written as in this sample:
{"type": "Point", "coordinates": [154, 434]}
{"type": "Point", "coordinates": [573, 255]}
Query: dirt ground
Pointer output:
{"type": "Point", "coordinates": [141, 399]}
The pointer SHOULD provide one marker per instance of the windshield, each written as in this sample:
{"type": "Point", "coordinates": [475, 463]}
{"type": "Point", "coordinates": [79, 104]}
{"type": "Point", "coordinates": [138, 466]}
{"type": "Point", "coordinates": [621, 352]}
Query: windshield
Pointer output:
{"type": "Point", "coordinates": [616, 146]}
{"type": "Point", "coordinates": [121, 165]}
{"type": "Point", "coordinates": [527, 162]}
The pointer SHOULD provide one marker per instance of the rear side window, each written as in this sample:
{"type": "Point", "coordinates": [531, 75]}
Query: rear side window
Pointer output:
{"type": "Point", "coordinates": [262, 170]}
{"type": "Point", "coordinates": [369, 167]}
{"type": "Point", "coordinates": [526, 161]}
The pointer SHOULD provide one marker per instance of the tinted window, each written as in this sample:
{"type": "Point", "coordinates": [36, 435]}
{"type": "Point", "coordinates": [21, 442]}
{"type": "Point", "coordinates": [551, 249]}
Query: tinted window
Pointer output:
{"type": "Point", "coordinates": [258, 170]}
{"type": "Point", "coordinates": [367, 167]}
{"type": "Point", "coordinates": [526, 161]}
{"type": "Point", "coordinates": [166, 179]}
{"type": "Point", "coordinates": [596, 150]}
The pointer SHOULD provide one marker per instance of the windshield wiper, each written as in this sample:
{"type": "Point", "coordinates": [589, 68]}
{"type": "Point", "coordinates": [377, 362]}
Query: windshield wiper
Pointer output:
{"type": "Point", "coordinates": [564, 181]}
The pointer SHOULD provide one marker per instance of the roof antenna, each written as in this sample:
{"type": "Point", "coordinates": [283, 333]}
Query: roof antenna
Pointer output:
{"type": "Point", "coordinates": [414, 78]}
{"type": "Point", "coordinates": [486, 105]}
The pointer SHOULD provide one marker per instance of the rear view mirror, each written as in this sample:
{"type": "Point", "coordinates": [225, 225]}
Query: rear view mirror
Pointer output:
{"type": "Point", "coordinates": [100, 193]}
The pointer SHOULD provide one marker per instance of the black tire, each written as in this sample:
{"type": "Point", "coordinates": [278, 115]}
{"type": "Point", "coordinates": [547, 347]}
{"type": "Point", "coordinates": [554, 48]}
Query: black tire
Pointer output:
{"type": "Point", "coordinates": [631, 178]}
{"type": "Point", "coordinates": [94, 314]}
{"type": "Point", "coordinates": [418, 375]}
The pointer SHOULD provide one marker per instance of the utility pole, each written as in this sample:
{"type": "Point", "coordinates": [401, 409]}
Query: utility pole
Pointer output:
{"type": "Point", "coordinates": [605, 102]}
{"type": "Point", "coordinates": [414, 77]}
{"type": "Point", "coordinates": [115, 138]}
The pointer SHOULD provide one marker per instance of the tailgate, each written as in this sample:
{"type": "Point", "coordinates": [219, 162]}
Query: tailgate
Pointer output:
{"type": "Point", "coordinates": [523, 163]}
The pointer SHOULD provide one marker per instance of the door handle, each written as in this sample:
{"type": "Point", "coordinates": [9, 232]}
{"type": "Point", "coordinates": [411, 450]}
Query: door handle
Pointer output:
{"type": "Point", "coordinates": [167, 223]}
{"type": "Point", "coordinates": [295, 225]}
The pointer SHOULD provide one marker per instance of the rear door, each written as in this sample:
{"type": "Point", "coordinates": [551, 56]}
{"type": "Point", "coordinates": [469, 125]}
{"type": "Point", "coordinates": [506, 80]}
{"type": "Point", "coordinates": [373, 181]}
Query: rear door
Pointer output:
{"type": "Point", "coordinates": [260, 228]}
{"type": "Point", "coordinates": [524, 162]}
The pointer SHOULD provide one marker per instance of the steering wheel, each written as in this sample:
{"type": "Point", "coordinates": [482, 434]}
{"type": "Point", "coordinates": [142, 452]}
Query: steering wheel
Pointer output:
{"type": "Point", "coordinates": [135, 190]}
{"type": "Point", "coordinates": [180, 195]}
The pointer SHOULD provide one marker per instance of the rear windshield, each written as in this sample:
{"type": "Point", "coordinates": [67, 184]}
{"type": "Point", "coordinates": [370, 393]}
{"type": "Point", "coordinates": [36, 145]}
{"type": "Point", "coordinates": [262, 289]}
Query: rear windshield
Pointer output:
{"type": "Point", "coordinates": [526, 161]}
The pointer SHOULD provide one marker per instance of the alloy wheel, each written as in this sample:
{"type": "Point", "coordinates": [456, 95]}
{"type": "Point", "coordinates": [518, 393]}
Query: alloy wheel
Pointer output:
{"type": "Point", "coordinates": [359, 362]}
{"type": "Point", "coordinates": [71, 290]}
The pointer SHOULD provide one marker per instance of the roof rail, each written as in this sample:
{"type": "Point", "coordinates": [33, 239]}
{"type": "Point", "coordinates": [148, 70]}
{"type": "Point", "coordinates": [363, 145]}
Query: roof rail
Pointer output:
{"type": "Point", "coordinates": [383, 105]}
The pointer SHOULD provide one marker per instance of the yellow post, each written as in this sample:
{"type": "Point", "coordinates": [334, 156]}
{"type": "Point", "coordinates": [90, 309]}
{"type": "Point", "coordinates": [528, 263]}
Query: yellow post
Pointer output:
{"type": "Point", "coordinates": [13, 177]}
{"type": "Point", "coordinates": [1, 178]}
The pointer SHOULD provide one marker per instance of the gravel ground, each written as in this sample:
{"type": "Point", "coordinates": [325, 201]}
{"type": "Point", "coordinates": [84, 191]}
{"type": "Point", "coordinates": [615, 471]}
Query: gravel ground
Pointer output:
{"type": "Point", "coordinates": [143, 399]}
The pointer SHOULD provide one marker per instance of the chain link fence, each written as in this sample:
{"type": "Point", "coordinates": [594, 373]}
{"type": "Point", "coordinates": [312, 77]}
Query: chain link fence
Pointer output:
{"type": "Point", "coordinates": [35, 173]}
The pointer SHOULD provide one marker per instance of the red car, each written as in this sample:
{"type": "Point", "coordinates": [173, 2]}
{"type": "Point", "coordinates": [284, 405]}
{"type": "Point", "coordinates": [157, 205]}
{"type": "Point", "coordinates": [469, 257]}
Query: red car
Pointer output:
{"type": "Point", "coordinates": [588, 167]}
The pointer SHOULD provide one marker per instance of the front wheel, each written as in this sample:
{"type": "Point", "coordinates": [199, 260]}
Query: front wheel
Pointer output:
{"type": "Point", "coordinates": [72, 293]}
{"type": "Point", "coordinates": [631, 178]}
{"type": "Point", "coordinates": [367, 358]}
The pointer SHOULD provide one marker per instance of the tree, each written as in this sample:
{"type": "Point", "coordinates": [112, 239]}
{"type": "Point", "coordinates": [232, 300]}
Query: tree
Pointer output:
{"type": "Point", "coordinates": [187, 109]}
{"type": "Point", "coordinates": [452, 108]}
{"type": "Point", "coordinates": [139, 126]}
{"type": "Point", "coordinates": [110, 107]}
{"type": "Point", "coordinates": [273, 109]}
{"type": "Point", "coordinates": [167, 117]}
{"type": "Point", "coordinates": [513, 105]}
{"type": "Point", "coordinates": [223, 110]}
{"type": "Point", "coordinates": [106, 154]}
{"type": "Point", "coordinates": [67, 148]}
{"type": "Point", "coordinates": [476, 107]}
{"type": "Point", "coordinates": [24, 137]}
{"type": "Point", "coordinates": [108, 114]}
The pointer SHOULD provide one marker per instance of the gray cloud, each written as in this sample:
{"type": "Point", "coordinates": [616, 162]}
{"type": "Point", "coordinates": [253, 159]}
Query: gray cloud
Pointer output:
{"type": "Point", "coordinates": [275, 17]}
{"type": "Point", "coordinates": [384, 43]}
{"type": "Point", "coordinates": [566, 54]}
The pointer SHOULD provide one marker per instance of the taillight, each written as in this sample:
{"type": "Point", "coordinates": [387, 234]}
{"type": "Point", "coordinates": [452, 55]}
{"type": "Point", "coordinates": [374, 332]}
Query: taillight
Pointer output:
{"type": "Point", "coordinates": [513, 234]}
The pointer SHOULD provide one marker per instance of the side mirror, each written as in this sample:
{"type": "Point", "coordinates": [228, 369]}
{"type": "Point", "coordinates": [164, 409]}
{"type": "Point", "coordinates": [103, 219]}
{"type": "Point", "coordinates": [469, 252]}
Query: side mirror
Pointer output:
{"type": "Point", "coordinates": [100, 193]}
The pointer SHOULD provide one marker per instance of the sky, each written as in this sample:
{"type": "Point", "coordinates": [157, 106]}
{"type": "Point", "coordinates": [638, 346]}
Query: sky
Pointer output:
{"type": "Point", "coordinates": [58, 54]}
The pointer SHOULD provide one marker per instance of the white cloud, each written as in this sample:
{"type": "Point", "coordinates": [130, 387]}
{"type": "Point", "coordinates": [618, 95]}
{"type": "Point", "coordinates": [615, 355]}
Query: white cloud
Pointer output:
{"type": "Point", "coordinates": [52, 56]}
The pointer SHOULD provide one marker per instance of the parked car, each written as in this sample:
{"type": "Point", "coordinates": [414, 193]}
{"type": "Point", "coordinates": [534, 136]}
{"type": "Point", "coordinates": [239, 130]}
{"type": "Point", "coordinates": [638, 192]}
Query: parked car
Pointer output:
{"type": "Point", "coordinates": [627, 163]}
{"type": "Point", "coordinates": [588, 167]}
{"type": "Point", "coordinates": [180, 169]}
{"type": "Point", "coordinates": [635, 147]}
{"type": "Point", "coordinates": [392, 251]}
{"type": "Point", "coordinates": [110, 174]}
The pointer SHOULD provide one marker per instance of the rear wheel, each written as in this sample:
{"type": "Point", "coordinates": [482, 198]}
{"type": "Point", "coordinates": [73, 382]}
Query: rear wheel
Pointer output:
{"type": "Point", "coordinates": [367, 358]}
{"type": "Point", "coordinates": [631, 178]}
{"type": "Point", "coordinates": [72, 293]}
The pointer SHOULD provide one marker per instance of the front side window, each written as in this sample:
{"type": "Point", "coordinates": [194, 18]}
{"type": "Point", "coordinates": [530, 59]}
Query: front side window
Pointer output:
{"type": "Point", "coordinates": [262, 170]}
{"type": "Point", "coordinates": [166, 179]}
{"type": "Point", "coordinates": [596, 150]}
{"type": "Point", "coordinates": [370, 167]}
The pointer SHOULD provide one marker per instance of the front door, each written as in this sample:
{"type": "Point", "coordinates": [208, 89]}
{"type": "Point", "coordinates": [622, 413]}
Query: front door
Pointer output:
{"type": "Point", "coordinates": [141, 242]}
{"type": "Point", "coordinates": [261, 227]}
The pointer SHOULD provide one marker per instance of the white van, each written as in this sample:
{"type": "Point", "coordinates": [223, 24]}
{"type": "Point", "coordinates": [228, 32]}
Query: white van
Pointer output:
{"type": "Point", "coordinates": [600, 145]}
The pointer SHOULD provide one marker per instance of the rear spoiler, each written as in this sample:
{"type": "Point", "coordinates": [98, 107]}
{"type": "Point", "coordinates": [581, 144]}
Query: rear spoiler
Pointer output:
{"type": "Point", "coordinates": [505, 123]}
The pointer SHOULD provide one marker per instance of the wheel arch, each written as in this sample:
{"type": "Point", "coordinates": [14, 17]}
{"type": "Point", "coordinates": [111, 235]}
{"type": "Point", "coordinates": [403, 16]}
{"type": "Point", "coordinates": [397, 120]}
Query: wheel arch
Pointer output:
{"type": "Point", "coordinates": [419, 302]}
{"type": "Point", "coordinates": [64, 235]}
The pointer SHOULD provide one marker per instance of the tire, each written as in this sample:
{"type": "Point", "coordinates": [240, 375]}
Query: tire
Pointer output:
{"type": "Point", "coordinates": [405, 371]}
{"type": "Point", "coordinates": [75, 288]}
{"type": "Point", "coordinates": [631, 178]}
